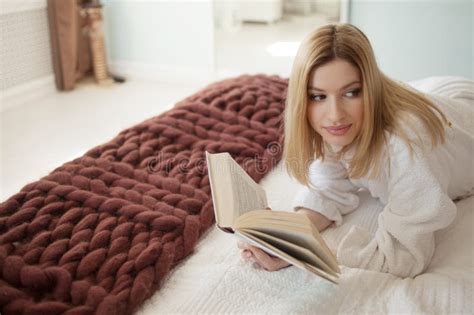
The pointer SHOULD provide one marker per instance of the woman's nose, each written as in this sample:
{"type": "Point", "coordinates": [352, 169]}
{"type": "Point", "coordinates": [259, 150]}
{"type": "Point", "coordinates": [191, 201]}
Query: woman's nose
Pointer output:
{"type": "Point", "coordinates": [335, 111]}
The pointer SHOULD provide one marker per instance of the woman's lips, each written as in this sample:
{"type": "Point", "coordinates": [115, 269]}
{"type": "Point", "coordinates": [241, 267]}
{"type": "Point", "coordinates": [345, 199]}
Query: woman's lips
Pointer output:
{"type": "Point", "coordinates": [338, 130]}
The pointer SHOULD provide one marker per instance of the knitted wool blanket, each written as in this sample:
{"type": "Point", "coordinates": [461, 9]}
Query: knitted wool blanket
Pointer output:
{"type": "Point", "coordinates": [99, 233]}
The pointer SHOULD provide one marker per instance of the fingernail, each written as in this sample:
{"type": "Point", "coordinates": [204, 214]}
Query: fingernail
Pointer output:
{"type": "Point", "coordinates": [247, 254]}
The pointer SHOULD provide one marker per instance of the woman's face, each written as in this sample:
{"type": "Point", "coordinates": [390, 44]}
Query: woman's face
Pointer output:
{"type": "Point", "coordinates": [335, 107]}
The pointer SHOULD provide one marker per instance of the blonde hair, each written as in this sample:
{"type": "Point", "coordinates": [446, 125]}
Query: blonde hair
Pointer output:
{"type": "Point", "coordinates": [385, 104]}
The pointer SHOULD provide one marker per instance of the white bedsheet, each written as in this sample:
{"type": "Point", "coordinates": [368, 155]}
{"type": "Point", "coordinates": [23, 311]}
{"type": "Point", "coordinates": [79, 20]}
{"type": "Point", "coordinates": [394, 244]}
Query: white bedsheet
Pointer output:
{"type": "Point", "coordinates": [214, 279]}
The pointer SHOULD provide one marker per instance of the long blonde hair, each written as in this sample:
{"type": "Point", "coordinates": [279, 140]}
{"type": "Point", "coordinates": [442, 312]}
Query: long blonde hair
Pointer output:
{"type": "Point", "coordinates": [385, 103]}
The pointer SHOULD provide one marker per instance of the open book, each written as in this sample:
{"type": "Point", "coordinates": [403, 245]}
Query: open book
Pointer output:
{"type": "Point", "coordinates": [240, 207]}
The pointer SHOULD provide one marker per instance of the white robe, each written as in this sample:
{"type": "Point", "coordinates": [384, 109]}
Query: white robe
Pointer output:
{"type": "Point", "coordinates": [417, 190]}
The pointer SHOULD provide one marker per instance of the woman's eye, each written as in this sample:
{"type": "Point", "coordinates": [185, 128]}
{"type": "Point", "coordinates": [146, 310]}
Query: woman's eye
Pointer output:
{"type": "Point", "coordinates": [353, 93]}
{"type": "Point", "coordinates": [317, 98]}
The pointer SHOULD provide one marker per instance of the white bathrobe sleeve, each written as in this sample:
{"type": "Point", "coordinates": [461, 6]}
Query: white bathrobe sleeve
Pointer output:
{"type": "Point", "coordinates": [417, 206]}
{"type": "Point", "coordinates": [333, 194]}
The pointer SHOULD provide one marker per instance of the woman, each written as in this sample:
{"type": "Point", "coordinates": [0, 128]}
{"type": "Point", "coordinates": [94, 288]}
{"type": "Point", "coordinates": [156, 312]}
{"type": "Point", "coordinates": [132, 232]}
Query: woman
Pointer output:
{"type": "Point", "coordinates": [348, 126]}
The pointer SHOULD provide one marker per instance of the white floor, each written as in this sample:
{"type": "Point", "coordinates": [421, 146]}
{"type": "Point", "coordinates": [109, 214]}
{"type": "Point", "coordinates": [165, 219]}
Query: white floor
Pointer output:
{"type": "Point", "coordinates": [43, 134]}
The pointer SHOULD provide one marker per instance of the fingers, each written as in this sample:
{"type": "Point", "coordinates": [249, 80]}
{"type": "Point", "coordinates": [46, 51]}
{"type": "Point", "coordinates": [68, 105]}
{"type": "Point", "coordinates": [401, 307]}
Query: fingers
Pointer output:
{"type": "Point", "coordinates": [263, 259]}
{"type": "Point", "coordinates": [246, 246]}
{"type": "Point", "coordinates": [268, 262]}
{"type": "Point", "coordinates": [245, 251]}
{"type": "Point", "coordinates": [256, 255]}
{"type": "Point", "coordinates": [246, 254]}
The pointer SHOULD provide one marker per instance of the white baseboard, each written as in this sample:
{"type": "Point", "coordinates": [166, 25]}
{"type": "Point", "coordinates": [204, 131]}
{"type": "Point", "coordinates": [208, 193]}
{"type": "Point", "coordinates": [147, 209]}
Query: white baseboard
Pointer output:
{"type": "Point", "coordinates": [162, 73]}
{"type": "Point", "coordinates": [27, 92]}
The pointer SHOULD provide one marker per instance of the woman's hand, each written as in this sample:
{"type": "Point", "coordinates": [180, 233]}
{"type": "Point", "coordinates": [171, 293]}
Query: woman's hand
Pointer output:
{"type": "Point", "coordinates": [256, 255]}
{"type": "Point", "coordinates": [271, 263]}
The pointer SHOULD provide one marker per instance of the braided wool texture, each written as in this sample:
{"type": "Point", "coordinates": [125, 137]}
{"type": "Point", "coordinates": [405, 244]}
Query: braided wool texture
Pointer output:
{"type": "Point", "coordinates": [99, 233]}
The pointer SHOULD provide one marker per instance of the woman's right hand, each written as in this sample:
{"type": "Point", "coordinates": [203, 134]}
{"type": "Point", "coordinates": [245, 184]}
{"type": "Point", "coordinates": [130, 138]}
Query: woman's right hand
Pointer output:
{"type": "Point", "coordinates": [260, 258]}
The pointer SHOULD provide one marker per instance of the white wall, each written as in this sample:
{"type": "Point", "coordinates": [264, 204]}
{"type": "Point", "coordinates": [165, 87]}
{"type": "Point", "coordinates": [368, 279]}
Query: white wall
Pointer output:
{"type": "Point", "coordinates": [415, 39]}
{"type": "Point", "coordinates": [160, 39]}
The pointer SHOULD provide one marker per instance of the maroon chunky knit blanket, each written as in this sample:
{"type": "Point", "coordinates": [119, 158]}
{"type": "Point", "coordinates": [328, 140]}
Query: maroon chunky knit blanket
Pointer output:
{"type": "Point", "coordinates": [98, 234]}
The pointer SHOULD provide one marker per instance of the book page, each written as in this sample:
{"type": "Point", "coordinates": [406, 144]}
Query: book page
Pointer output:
{"type": "Point", "coordinates": [234, 192]}
{"type": "Point", "coordinates": [298, 252]}
{"type": "Point", "coordinates": [292, 227]}
{"type": "Point", "coordinates": [247, 194]}
{"type": "Point", "coordinates": [270, 249]}
{"type": "Point", "coordinates": [220, 189]}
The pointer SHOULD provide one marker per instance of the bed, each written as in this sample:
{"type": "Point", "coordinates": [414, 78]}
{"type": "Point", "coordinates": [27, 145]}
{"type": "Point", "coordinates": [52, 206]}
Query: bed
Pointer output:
{"type": "Point", "coordinates": [215, 279]}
